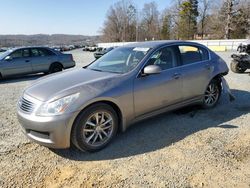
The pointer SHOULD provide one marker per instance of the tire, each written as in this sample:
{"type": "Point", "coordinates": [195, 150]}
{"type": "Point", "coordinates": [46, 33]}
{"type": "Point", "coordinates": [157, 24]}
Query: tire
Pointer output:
{"type": "Point", "coordinates": [236, 68]}
{"type": "Point", "coordinates": [56, 67]}
{"type": "Point", "coordinates": [212, 94]}
{"type": "Point", "coordinates": [94, 128]}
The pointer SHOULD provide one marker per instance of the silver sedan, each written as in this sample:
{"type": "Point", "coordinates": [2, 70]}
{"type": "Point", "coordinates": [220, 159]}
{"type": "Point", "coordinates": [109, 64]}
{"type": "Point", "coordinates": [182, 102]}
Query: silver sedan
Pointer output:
{"type": "Point", "coordinates": [28, 60]}
{"type": "Point", "coordinates": [88, 106]}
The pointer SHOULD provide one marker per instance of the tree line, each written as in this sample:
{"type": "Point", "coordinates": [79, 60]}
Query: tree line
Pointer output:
{"type": "Point", "coordinates": [182, 20]}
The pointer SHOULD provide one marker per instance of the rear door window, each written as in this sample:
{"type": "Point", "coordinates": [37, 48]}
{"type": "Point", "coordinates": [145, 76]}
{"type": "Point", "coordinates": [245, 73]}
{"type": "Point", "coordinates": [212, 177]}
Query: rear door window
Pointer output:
{"type": "Point", "coordinates": [35, 52]}
{"type": "Point", "coordinates": [26, 53]}
{"type": "Point", "coordinates": [45, 52]}
{"type": "Point", "coordinates": [192, 54]}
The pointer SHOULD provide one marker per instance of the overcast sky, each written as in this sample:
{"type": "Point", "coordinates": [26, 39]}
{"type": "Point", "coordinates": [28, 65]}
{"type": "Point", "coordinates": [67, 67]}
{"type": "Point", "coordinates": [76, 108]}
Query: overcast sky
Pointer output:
{"type": "Point", "coordinates": [83, 17]}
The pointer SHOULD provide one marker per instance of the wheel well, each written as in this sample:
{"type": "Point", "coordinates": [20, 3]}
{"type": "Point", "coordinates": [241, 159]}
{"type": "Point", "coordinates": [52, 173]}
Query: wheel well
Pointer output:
{"type": "Point", "coordinates": [115, 107]}
{"type": "Point", "coordinates": [218, 79]}
{"type": "Point", "coordinates": [56, 63]}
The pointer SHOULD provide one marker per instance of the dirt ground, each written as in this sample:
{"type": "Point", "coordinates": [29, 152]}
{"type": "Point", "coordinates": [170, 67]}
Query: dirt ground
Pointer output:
{"type": "Point", "coordinates": [186, 148]}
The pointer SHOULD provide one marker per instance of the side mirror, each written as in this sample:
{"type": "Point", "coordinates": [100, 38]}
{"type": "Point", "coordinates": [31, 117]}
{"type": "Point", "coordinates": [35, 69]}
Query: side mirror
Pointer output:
{"type": "Point", "coordinates": [152, 69]}
{"type": "Point", "coordinates": [8, 58]}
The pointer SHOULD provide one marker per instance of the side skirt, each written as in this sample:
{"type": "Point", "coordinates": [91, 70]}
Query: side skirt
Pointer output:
{"type": "Point", "coordinates": [192, 101]}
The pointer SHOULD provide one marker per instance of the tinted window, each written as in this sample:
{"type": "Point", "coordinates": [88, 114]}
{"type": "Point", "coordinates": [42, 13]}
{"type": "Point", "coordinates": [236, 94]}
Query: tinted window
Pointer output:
{"type": "Point", "coordinates": [20, 53]}
{"type": "Point", "coordinates": [35, 52]}
{"type": "Point", "coordinates": [192, 54]}
{"type": "Point", "coordinates": [16, 54]}
{"type": "Point", "coordinates": [165, 58]}
{"type": "Point", "coordinates": [26, 53]}
{"type": "Point", "coordinates": [45, 52]}
{"type": "Point", "coordinates": [204, 54]}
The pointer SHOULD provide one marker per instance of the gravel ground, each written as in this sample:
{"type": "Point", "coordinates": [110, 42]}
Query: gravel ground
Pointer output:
{"type": "Point", "coordinates": [187, 148]}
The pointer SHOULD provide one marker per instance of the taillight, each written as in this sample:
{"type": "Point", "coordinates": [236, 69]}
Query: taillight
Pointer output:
{"type": "Point", "coordinates": [71, 56]}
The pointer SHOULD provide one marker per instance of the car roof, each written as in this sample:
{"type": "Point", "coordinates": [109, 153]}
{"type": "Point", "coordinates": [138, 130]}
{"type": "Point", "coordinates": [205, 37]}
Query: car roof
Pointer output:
{"type": "Point", "coordinates": [156, 44]}
{"type": "Point", "coordinates": [25, 47]}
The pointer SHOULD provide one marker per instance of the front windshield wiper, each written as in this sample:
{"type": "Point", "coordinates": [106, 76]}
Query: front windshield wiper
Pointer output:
{"type": "Point", "coordinates": [105, 71]}
{"type": "Point", "coordinates": [97, 70]}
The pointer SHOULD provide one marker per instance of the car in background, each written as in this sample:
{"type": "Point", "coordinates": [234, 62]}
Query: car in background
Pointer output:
{"type": "Point", "coordinates": [90, 48]}
{"type": "Point", "coordinates": [57, 48]}
{"type": "Point", "coordinates": [28, 60]}
{"type": "Point", "coordinates": [99, 54]}
{"type": "Point", "coordinates": [3, 49]}
{"type": "Point", "coordinates": [127, 85]}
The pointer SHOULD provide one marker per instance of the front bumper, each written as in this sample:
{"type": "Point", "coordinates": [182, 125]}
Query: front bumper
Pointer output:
{"type": "Point", "coordinates": [52, 132]}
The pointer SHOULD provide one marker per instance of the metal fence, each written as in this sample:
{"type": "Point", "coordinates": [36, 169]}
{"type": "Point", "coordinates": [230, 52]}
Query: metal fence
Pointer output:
{"type": "Point", "coordinates": [227, 45]}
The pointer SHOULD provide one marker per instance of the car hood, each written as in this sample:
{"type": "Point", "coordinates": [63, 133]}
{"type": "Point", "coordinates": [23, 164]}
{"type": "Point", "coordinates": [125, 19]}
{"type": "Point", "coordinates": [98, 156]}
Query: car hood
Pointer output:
{"type": "Point", "coordinates": [62, 84]}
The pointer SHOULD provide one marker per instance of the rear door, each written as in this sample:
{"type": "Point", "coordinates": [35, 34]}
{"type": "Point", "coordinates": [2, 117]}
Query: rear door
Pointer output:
{"type": "Point", "coordinates": [19, 63]}
{"type": "Point", "coordinates": [195, 71]}
{"type": "Point", "coordinates": [42, 59]}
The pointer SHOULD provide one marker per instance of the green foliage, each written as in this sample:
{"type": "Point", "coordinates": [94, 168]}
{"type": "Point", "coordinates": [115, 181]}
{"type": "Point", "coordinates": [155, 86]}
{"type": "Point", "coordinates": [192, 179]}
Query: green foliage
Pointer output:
{"type": "Point", "coordinates": [188, 19]}
{"type": "Point", "coordinates": [165, 31]}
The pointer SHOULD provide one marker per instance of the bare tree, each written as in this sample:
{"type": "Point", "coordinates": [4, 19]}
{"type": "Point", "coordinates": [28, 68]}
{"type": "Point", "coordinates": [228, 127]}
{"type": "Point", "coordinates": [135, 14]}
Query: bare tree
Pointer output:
{"type": "Point", "coordinates": [219, 19]}
{"type": "Point", "coordinates": [120, 24]}
{"type": "Point", "coordinates": [229, 10]}
{"type": "Point", "coordinates": [150, 27]}
{"type": "Point", "coordinates": [203, 12]}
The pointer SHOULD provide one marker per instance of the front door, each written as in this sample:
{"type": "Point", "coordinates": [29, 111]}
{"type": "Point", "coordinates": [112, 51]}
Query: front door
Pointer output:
{"type": "Point", "coordinates": [157, 91]}
{"type": "Point", "coordinates": [18, 63]}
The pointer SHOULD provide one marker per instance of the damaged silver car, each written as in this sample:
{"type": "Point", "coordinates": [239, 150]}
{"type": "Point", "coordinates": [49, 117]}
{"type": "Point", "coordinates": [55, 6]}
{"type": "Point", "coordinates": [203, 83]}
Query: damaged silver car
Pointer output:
{"type": "Point", "coordinates": [87, 107]}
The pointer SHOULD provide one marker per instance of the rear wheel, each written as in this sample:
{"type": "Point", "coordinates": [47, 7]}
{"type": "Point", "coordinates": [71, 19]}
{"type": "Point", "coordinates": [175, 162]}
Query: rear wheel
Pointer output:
{"type": "Point", "coordinates": [55, 67]}
{"type": "Point", "coordinates": [236, 67]}
{"type": "Point", "coordinates": [212, 94]}
{"type": "Point", "coordinates": [95, 127]}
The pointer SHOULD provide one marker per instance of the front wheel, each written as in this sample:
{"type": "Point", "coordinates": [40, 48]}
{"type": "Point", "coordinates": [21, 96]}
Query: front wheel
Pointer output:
{"type": "Point", "coordinates": [95, 127]}
{"type": "Point", "coordinates": [212, 94]}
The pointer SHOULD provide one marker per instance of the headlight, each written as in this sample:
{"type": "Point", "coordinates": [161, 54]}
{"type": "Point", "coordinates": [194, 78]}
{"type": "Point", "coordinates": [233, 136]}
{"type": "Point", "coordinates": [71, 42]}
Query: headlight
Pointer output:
{"type": "Point", "coordinates": [56, 107]}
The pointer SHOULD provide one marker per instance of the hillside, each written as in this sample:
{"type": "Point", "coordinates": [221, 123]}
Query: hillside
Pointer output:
{"type": "Point", "coordinates": [42, 39]}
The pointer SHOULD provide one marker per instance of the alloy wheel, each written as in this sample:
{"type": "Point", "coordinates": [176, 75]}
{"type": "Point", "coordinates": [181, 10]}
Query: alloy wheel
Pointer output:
{"type": "Point", "coordinates": [211, 94]}
{"type": "Point", "coordinates": [98, 128]}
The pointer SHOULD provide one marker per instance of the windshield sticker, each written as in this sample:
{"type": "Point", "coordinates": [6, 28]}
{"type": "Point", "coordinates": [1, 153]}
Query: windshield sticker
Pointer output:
{"type": "Point", "coordinates": [141, 49]}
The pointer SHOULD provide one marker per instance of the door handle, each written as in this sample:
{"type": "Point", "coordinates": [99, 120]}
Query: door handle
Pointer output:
{"type": "Point", "coordinates": [176, 76]}
{"type": "Point", "coordinates": [27, 61]}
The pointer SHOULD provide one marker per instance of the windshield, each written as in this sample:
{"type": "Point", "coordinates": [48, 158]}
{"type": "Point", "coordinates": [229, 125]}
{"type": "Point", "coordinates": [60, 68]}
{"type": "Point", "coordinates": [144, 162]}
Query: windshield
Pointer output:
{"type": "Point", "coordinates": [4, 54]}
{"type": "Point", "coordinates": [119, 60]}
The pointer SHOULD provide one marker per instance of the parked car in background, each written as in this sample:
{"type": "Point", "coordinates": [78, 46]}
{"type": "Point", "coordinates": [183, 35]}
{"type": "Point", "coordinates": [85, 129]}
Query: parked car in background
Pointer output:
{"type": "Point", "coordinates": [90, 48]}
{"type": "Point", "coordinates": [3, 49]}
{"type": "Point", "coordinates": [99, 54]}
{"type": "Point", "coordinates": [126, 85]}
{"type": "Point", "coordinates": [84, 48]}
{"type": "Point", "coordinates": [57, 48]}
{"type": "Point", "coordinates": [27, 60]}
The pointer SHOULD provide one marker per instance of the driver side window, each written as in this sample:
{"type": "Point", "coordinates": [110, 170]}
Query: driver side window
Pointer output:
{"type": "Point", "coordinates": [16, 54]}
{"type": "Point", "coordinates": [164, 58]}
{"type": "Point", "coordinates": [20, 53]}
